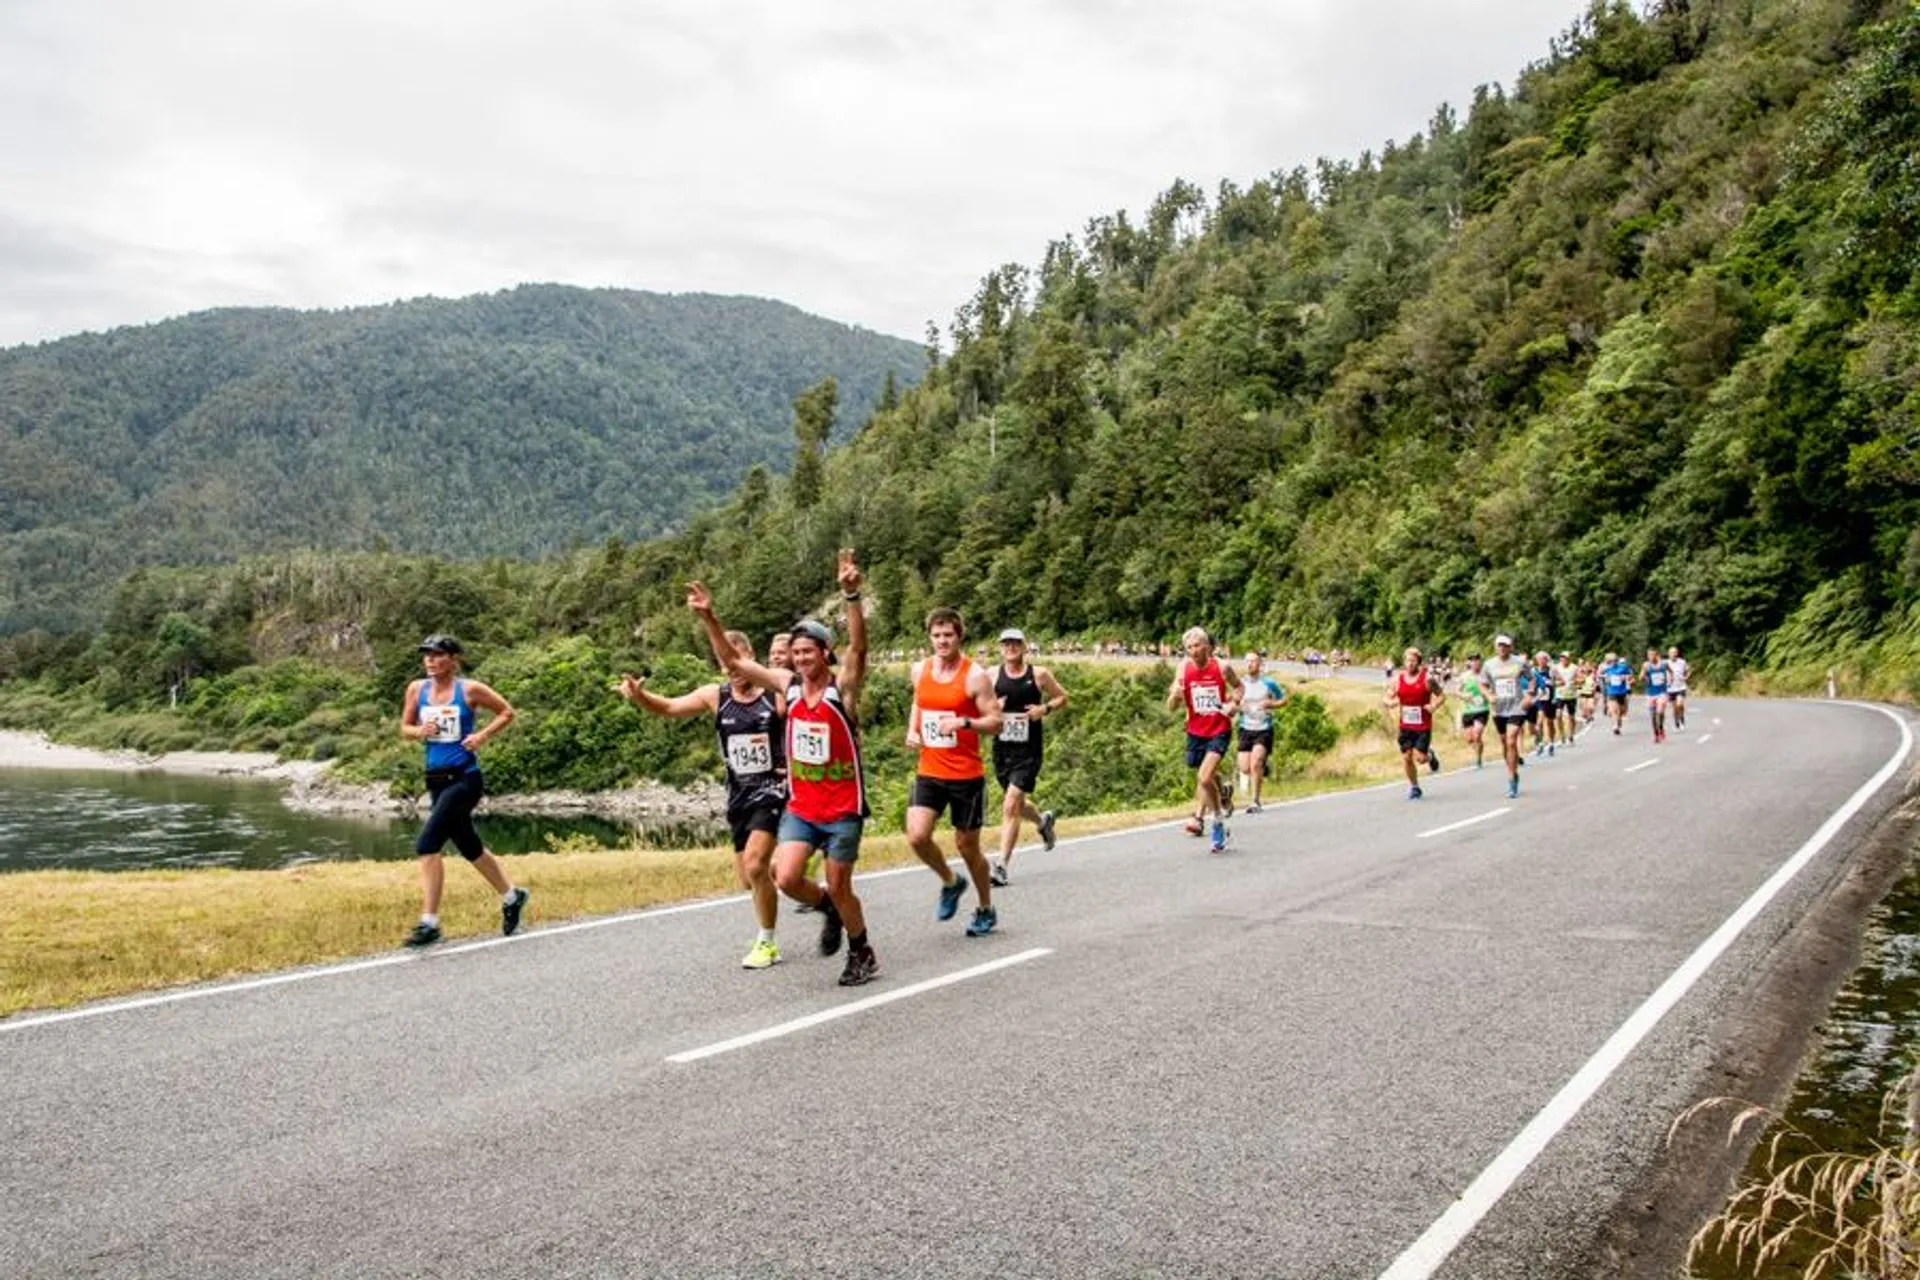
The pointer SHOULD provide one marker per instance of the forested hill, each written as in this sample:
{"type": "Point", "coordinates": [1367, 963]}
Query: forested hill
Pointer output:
{"type": "Point", "coordinates": [512, 423]}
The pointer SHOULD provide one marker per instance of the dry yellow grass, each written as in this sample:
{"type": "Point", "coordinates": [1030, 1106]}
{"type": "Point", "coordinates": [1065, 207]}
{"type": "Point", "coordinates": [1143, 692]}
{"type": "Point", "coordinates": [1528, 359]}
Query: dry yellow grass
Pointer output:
{"type": "Point", "coordinates": [91, 935]}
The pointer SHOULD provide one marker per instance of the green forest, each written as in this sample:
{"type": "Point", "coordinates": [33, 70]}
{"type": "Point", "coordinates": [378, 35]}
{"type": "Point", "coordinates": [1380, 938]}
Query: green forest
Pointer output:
{"type": "Point", "coordinates": [1625, 353]}
{"type": "Point", "coordinates": [517, 423]}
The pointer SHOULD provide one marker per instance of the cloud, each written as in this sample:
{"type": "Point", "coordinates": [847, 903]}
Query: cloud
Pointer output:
{"type": "Point", "coordinates": [867, 159]}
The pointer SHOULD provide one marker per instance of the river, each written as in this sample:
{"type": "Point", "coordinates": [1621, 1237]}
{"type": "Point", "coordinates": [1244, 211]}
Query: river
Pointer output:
{"type": "Point", "coordinates": [104, 820]}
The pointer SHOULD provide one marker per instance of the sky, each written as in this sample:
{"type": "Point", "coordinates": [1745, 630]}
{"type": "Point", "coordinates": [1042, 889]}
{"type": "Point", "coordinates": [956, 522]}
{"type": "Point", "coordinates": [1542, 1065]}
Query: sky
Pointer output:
{"type": "Point", "coordinates": [866, 160]}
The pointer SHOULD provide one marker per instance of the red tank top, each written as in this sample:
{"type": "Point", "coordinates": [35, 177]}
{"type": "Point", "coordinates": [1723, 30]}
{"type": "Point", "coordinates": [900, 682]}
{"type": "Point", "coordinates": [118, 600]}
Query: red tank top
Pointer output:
{"type": "Point", "coordinates": [956, 756]}
{"type": "Point", "coordinates": [823, 759]}
{"type": "Point", "coordinates": [1412, 691]}
{"type": "Point", "coordinates": [1205, 689]}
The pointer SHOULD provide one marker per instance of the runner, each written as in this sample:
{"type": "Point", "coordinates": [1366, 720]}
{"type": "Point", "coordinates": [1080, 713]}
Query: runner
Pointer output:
{"type": "Point", "coordinates": [438, 712]}
{"type": "Point", "coordinates": [1566, 693]}
{"type": "Point", "coordinates": [1260, 695]}
{"type": "Point", "coordinates": [953, 704]}
{"type": "Point", "coordinates": [1616, 677]}
{"type": "Point", "coordinates": [1027, 695]}
{"type": "Point", "coordinates": [1655, 675]}
{"type": "Point", "coordinates": [1506, 673]}
{"type": "Point", "coordinates": [1540, 702]}
{"type": "Point", "coordinates": [1476, 707]}
{"type": "Point", "coordinates": [1677, 686]}
{"type": "Point", "coordinates": [1589, 690]}
{"type": "Point", "coordinates": [780, 651]}
{"type": "Point", "coordinates": [826, 786]}
{"type": "Point", "coordinates": [1208, 689]}
{"type": "Point", "coordinates": [750, 722]}
{"type": "Point", "coordinates": [1413, 695]}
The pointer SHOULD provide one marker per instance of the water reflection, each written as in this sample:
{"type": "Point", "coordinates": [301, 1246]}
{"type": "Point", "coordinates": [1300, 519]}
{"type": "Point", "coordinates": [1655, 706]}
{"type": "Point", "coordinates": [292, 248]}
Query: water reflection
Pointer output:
{"type": "Point", "coordinates": [121, 821]}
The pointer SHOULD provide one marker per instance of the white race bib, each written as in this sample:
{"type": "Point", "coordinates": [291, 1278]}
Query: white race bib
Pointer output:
{"type": "Point", "coordinates": [1206, 699]}
{"type": "Point", "coordinates": [1412, 715]}
{"type": "Point", "coordinates": [812, 742]}
{"type": "Point", "coordinates": [1507, 688]}
{"type": "Point", "coordinates": [1013, 728]}
{"type": "Point", "coordinates": [930, 735]}
{"type": "Point", "coordinates": [444, 721]}
{"type": "Point", "coordinates": [750, 753]}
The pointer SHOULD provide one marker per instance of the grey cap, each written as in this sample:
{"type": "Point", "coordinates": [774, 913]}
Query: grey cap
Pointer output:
{"type": "Point", "coordinates": [1013, 635]}
{"type": "Point", "coordinates": [816, 632]}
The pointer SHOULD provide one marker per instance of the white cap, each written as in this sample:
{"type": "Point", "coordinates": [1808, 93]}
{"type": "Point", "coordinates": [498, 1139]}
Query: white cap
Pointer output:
{"type": "Point", "coordinates": [1503, 639]}
{"type": "Point", "coordinates": [1013, 635]}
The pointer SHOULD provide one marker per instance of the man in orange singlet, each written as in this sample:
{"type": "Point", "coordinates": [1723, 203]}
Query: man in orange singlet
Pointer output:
{"type": "Point", "coordinates": [953, 704]}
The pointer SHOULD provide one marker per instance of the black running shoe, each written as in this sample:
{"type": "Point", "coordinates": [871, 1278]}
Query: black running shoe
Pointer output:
{"type": "Point", "coordinates": [862, 965]}
{"type": "Point", "coordinates": [510, 912]}
{"type": "Point", "coordinates": [1046, 828]}
{"type": "Point", "coordinates": [831, 930]}
{"type": "Point", "coordinates": [423, 935]}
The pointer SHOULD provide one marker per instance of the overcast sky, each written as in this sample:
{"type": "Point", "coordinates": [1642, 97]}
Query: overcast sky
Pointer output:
{"type": "Point", "coordinates": [868, 160]}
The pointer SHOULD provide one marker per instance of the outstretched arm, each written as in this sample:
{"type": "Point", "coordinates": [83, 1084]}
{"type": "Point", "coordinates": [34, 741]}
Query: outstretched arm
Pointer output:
{"type": "Point", "coordinates": [853, 671]}
{"type": "Point", "coordinates": [705, 698]}
{"type": "Point", "coordinates": [700, 600]}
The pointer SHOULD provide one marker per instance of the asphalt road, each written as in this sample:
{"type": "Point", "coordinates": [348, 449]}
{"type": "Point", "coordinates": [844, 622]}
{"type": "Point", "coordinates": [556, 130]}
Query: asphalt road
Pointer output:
{"type": "Point", "coordinates": [1288, 1060]}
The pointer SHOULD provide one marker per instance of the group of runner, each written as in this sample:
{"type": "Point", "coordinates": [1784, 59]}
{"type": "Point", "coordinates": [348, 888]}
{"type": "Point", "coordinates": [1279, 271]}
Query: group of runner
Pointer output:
{"type": "Point", "coordinates": [789, 739]}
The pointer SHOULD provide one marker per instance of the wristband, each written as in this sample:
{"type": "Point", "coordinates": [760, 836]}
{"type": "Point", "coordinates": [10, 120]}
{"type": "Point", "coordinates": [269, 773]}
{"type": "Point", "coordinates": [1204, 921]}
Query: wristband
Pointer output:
{"type": "Point", "coordinates": [849, 595]}
{"type": "Point", "coordinates": [966, 722]}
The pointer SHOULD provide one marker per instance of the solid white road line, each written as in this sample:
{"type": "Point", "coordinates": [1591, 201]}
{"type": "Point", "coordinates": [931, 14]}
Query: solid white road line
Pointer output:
{"type": "Point", "coordinates": [858, 1006]}
{"type": "Point", "coordinates": [1464, 822]}
{"type": "Point", "coordinates": [1425, 1255]}
{"type": "Point", "coordinates": [1644, 764]}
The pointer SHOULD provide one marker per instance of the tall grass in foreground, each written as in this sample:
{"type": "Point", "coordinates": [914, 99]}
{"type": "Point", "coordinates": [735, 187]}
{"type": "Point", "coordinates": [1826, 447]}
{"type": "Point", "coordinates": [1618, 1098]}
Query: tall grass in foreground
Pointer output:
{"type": "Point", "coordinates": [1822, 1213]}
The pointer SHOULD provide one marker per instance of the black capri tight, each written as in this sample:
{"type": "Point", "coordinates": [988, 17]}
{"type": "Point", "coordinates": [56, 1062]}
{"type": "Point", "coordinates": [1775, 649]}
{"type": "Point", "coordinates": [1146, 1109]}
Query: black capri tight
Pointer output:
{"type": "Point", "coordinates": [452, 816]}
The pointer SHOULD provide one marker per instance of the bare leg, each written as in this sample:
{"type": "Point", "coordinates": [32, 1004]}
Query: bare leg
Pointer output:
{"type": "Point", "coordinates": [433, 879]}
{"type": "Point", "coordinates": [920, 835]}
{"type": "Point", "coordinates": [756, 872]}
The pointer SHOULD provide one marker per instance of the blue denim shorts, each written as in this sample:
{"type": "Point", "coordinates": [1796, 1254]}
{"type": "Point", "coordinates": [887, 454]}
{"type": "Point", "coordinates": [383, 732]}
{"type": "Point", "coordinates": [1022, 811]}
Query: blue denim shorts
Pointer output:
{"type": "Point", "coordinates": [840, 839]}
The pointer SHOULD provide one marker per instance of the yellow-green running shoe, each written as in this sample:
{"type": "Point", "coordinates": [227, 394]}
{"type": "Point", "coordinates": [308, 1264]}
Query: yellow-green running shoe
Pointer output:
{"type": "Point", "coordinates": [764, 955]}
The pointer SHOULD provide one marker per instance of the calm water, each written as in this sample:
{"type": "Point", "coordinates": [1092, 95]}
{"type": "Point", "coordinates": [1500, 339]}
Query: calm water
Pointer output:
{"type": "Point", "coordinates": [115, 821]}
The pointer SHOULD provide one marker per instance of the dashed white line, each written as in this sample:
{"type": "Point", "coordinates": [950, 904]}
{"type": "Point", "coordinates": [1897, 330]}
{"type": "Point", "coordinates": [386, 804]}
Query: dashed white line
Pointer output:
{"type": "Point", "coordinates": [857, 1006]}
{"type": "Point", "coordinates": [1644, 764]}
{"type": "Point", "coordinates": [1464, 822]}
{"type": "Point", "coordinates": [1704, 739]}
{"type": "Point", "coordinates": [1426, 1255]}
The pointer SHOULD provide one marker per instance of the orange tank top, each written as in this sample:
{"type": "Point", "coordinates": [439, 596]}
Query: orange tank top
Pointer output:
{"type": "Point", "coordinates": [956, 756]}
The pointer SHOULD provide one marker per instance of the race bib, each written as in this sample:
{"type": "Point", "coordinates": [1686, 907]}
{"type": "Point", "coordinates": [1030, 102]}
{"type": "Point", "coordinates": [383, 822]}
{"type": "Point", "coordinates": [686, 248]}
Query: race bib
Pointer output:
{"type": "Point", "coordinates": [812, 742]}
{"type": "Point", "coordinates": [444, 721]}
{"type": "Point", "coordinates": [749, 753]}
{"type": "Point", "coordinates": [1507, 688]}
{"type": "Point", "coordinates": [1206, 699]}
{"type": "Point", "coordinates": [1413, 716]}
{"type": "Point", "coordinates": [1014, 727]}
{"type": "Point", "coordinates": [930, 735]}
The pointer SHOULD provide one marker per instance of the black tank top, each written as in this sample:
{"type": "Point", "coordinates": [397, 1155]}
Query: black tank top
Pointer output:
{"type": "Point", "coordinates": [1016, 696]}
{"type": "Point", "coordinates": [753, 745]}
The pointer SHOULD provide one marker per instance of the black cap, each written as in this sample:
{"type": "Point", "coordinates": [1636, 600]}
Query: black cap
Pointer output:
{"type": "Point", "coordinates": [437, 643]}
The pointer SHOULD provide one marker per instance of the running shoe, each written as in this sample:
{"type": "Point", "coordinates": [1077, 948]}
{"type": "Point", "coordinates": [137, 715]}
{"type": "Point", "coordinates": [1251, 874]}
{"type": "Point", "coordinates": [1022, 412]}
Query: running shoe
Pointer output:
{"type": "Point", "coordinates": [764, 954]}
{"type": "Point", "coordinates": [862, 965]}
{"type": "Point", "coordinates": [831, 929]}
{"type": "Point", "coordinates": [1513, 788]}
{"type": "Point", "coordinates": [1414, 793]}
{"type": "Point", "coordinates": [423, 935]}
{"type": "Point", "coordinates": [950, 897]}
{"type": "Point", "coordinates": [1219, 844]}
{"type": "Point", "coordinates": [1047, 817]}
{"type": "Point", "coordinates": [510, 912]}
{"type": "Point", "coordinates": [1195, 827]}
{"type": "Point", "coordinates": [1254, 807]}
{"type": "Point", "coordinates": [997, 874]}
{"type": "Point", "coordinates": [1433, 763]}
{"type": "Point", "coordinates": [1549, 751]}
{"type": "Point", "coordinates": [984, 918]}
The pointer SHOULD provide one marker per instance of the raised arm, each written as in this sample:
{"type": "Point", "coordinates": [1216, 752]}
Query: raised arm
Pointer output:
{"type": "Point", "coordinates": [706, 698]}
{"type": "Point", "coordinates": [700, 600]}
{"type": "Point", "coordinates": [853, 670]}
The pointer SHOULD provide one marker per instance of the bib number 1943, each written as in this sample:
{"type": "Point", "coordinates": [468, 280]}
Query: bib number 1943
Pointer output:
{"type": "Point", "coordinates": [750, 753]}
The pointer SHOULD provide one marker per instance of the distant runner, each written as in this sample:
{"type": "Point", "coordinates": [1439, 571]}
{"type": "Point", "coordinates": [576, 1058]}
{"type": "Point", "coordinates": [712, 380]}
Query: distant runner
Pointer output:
{"type": "Point", "coordinates": [1677, 686]}
{"type": "Point", "coordinates": [1476, 708]}
{"type": "Point", "coordinates": [1413, 695]}
{"type": "Point", "coordinates": [1027, 695]}
{"type": "Point", "coordinates": [1509, 706]}
{"type": "Point", "coordinates": [1566, 694]}
{"type": "Point", "coordinates": [953, 705]}
{"type": "Point", "coordinates": [1260, 696]}
{"type": "Point", "coordinates": [1656, 675]}
{"type": "Point", "coordinates": [1616, 678]}
{"type": "Point", "coordinates": [438, 712]}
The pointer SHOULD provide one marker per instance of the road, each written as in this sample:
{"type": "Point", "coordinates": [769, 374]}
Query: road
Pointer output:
{"type": "Point", "coordinates": [1289, 1060]}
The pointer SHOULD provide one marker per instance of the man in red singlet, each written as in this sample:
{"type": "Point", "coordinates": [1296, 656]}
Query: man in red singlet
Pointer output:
{"type": "Point", "coordinates": [1413, 696]}
{"type": "Point", "coordinates": [1210, 691]}
{"type": "Point", "coordinates": [827, 796]}
{"type": "Point", "coordinates": [953, 704]}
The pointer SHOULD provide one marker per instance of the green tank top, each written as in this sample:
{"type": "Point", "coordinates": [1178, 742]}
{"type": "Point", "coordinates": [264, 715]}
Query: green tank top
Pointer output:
{"type": "Point", "coordinates": [1473, 692]}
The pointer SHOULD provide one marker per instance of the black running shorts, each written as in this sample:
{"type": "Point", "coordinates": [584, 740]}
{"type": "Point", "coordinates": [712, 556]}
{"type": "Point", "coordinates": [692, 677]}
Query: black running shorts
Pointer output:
{"type": "Point", "coordinates": [758, 817]}
{"type": "Point", "coordinates": [967, 800]}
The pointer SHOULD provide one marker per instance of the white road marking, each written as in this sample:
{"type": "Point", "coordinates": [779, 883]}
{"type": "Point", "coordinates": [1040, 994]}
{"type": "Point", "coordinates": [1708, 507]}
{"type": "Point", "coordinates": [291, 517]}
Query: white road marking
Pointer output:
{"type": "Point", "coordinates": [1425, 1255]}
{"type": "Point", "coordinates": [1704, 739]}
{"type": "Point", "coordinates": [1464, 822]}
{"type": "Point", "coordinates": [857, 1006]}
{"type": "Point", "coordinates": [1644, 764]}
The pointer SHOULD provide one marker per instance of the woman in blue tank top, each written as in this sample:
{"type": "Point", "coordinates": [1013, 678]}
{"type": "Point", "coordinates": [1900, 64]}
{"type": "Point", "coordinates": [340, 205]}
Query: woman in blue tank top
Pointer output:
{"type": "Point", "coordinates": [438, 712]}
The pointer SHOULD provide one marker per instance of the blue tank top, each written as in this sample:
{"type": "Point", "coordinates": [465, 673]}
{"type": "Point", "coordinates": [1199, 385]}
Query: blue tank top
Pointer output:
{"type": "Point", "coordinates": [1657, 673]}
{"type": "Point", "coordinates": [452, 723]}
